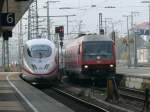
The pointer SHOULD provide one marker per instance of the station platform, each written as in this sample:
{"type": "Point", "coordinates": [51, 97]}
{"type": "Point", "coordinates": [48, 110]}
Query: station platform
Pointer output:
{"type": "Point", "coordinates": [134, 77]}
{"type": "Point", "coordinates": [18, 96]}
{"type": "Point", "coordinates": [143, 72]}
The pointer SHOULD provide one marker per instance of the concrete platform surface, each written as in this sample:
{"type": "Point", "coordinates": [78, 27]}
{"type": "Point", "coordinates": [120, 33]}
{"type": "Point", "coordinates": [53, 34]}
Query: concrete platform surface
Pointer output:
{"type": "Point", "coordinates": [35, 99]}
{"type": "Point", "coordinates": [143, 72]}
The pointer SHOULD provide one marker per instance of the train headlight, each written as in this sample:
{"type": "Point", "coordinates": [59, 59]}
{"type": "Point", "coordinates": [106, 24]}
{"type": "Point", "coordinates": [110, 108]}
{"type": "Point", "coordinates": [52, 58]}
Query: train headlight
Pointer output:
{"type": "Point", "coordinates": [111, 65]}
{"type": "Point", "coordinates": [85, 66]}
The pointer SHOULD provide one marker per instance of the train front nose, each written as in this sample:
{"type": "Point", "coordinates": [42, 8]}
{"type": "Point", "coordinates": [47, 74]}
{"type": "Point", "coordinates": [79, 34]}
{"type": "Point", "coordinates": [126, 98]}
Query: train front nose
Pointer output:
{"type": "Point", "coordinates": [41, 68]}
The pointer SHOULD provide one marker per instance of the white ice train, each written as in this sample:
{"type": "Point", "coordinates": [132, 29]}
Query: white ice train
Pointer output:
{"type": "Point", "coordinates": [40, 59]}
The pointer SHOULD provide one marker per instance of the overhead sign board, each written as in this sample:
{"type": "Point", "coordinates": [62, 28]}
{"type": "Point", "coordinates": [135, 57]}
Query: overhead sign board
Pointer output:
{"type": "Point", "coordinates": [7, 19]}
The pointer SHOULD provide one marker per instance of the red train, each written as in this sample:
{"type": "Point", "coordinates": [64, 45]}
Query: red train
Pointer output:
{"type": "Point", "coordinates": [90, 56]}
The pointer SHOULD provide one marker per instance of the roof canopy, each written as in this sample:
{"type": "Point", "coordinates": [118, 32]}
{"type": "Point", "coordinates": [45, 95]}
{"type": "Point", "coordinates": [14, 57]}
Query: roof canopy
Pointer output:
{"type": "Point", "coordinates": [19, 7]}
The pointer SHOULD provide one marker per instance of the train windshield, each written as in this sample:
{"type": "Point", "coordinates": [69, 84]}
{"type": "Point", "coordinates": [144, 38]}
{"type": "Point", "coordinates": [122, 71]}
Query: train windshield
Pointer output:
{"type": "Point", "coordinates": [40, 51]}
{"type": "Point", "coordinates": [97, 50]}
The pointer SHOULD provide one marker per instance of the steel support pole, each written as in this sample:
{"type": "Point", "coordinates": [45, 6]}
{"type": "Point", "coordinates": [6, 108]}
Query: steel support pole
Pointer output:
{"type": "Point", "coordinates": [100, 22]}
{"type": "Point", "coordinates": [5, 56]}
{"type": "Point", "coordinates": [135, 47]}
{"type": "Point", "coordinates": [135, 51]}
{"type": "Point", "coordinates": [48, 22]}
{"type": "Point", "coordinates": [29, 24]}
{"type": "Point", "coordinates": [134, 38]}
{"type": "Point", "coordinates": [105, 26]}
{"type": "Point", "coordinates": [3, 53]}
{"type": "Point", "coordinates": [149, 21]}
{"type": "Point", "coordinates": [37, 22]}
{"type": "Point", "coordinates": [20, 43]}
{"type": "Point", "coordinates": [7, 52]}
{"type": "Point", "coordinates": [67, 24]}
{"type": "Point", "coordinates": [129, 60]}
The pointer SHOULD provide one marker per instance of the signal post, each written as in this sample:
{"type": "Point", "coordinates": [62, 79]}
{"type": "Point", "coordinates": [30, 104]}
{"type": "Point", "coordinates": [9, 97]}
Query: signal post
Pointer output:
{"type": "Point", "coordinates": [60, 36]}
{"type": "Point", "coordinates": [7, 21]}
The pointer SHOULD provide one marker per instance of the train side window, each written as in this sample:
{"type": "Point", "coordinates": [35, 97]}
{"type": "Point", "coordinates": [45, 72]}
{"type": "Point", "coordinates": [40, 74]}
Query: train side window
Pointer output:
{"type": "Point", "coordinates": [79, 49]}
{"type": "Point", "coordinates": [29, 53]}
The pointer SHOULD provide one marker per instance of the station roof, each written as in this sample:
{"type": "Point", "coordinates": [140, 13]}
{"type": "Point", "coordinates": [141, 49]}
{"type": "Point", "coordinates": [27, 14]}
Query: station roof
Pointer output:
{"type": "Point", "coordinates": [19, 7]}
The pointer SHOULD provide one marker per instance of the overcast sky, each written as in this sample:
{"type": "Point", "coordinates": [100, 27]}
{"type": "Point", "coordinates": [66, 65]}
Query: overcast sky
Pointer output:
{"type": "Point", "coordinates": [89, 15]}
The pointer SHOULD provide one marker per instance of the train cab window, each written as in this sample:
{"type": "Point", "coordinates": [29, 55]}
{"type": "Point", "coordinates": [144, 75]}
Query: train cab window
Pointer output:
{"type": "Point", "coordinates": [102, 49]}
{"type": "Point", "coordinates": [29, 53]}
{"type": "Point", "coordinates": [41, 51]}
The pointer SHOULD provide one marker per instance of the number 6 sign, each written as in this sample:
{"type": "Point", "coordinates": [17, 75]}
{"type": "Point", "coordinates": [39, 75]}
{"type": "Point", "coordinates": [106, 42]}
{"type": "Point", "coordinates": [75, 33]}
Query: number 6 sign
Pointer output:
{"type": "Point", "coordinates": [7, 19]}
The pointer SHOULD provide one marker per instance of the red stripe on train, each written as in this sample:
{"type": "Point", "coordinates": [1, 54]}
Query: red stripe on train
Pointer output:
{"type": "Point", "coordinates": [50, 72]}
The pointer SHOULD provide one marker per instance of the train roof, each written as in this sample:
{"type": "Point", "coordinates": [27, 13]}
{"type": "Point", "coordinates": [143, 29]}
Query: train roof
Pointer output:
{"type": "Point", "coordinates": [38, 41]}
{"type": "Point", "coordinates": [86, 38]}
{"type": "Point", "coordinates": [91, 37]}
{"type": "Point", "coordinates": [94, 37]}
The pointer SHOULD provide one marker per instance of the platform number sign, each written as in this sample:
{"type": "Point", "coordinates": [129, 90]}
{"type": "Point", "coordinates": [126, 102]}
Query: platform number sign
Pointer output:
{"type": "Point", "coordinates": [7, 19]}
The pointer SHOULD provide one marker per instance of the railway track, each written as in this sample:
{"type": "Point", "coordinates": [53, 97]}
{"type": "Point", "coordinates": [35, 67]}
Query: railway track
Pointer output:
{"type": "Point", "coordinates": [130, 93]}
{"type": "Point", "coordinates": [80, 104]}
{"type": "Point", "coordinates": [136, 98]}
{"type": "Point", "coordinates": [133, 94]}
{"type": "Point", "coordinates": [76, 104]}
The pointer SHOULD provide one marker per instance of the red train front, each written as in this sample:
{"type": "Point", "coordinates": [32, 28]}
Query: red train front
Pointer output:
{"type": "Point", "coordinates": [90, 56]}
